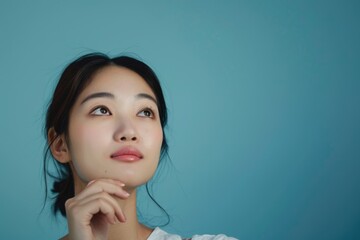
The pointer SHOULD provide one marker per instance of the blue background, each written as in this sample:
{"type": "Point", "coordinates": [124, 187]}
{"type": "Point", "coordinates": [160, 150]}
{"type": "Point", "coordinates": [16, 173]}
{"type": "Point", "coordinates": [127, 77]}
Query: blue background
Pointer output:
{"type": "Point", "coordinates": [263, 101]}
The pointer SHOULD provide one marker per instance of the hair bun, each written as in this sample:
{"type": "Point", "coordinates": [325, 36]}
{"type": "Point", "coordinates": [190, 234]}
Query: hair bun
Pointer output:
{"type": "Point", "coordinates": [63, 189]}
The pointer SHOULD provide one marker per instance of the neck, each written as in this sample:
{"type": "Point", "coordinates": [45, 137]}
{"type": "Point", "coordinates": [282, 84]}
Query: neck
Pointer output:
{"type": "Point", "coordinates": [131, 229]}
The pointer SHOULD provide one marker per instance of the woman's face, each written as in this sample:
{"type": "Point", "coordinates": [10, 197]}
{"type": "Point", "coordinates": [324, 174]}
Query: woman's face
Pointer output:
{"type": "Point", "coordinates": [114, 129]}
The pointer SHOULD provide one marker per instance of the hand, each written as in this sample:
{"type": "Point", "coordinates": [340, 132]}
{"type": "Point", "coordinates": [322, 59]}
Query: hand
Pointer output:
{"type": "Point", "coordinates": [91, 211]}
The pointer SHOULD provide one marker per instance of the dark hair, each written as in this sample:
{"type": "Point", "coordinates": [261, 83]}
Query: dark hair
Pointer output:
{"type": "Point", "coordinates": [74, 79]}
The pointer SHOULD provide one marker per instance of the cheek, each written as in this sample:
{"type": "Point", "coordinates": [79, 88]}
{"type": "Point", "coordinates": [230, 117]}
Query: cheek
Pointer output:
{"type": "Point", "coordinates": [84, 137]}
{"type": "Point", "coordinates": [152, 129]}
{"type": "Point", "coordinates": [155, 140]}
{"type": "Point", "coordinates": [86, 149]}
{"type": "Point", "coordinates": [160, 138]}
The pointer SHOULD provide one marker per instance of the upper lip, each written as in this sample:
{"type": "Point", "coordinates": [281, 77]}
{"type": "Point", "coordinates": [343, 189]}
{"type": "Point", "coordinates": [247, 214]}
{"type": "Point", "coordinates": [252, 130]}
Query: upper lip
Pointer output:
{"type": "Point", "coordinates": [128, 150]}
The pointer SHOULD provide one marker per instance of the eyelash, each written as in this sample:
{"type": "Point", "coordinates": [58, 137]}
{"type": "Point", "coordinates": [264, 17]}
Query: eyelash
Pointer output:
{"type": "Point", "coordinates": [100, 108]}
{"type": "Point", "coordinates": [108, 113]}
{"type": "Point", "coordinates": [152, 114]}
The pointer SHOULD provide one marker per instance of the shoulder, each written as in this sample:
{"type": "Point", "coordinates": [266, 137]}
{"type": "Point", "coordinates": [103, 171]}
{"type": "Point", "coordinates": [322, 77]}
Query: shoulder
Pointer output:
{"type": "Point", "coordinates": [159, 234]}
{"type": "Point", "coordinates": [212, 237]}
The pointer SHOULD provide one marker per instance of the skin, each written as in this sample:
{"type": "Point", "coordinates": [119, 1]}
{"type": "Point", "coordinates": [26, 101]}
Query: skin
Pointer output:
{"type": "Point", "coordinates": [104, 206]}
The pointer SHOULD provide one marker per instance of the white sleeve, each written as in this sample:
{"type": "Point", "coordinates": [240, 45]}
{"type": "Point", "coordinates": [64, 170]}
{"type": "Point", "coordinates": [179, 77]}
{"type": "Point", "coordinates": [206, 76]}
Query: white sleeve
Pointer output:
{"type": "Point", "coordinates": [212, 237]}
{"type": "Point", "coordinates": [159, 234]}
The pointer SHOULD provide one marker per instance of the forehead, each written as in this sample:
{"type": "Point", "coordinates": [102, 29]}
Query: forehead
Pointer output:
{"type": "Point", "coordinates": [117, 79]}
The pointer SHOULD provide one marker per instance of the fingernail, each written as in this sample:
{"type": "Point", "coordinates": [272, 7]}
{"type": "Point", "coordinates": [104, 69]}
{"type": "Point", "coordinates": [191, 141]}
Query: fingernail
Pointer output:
{"type": "Point", "coordinates": [91, 182]}
{"type": "Point", "coordinates": [121, 184]}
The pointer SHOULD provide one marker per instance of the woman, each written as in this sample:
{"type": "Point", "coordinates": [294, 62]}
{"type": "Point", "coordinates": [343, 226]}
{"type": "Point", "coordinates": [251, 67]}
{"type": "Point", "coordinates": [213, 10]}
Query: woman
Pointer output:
{"type": "Point", "coordinates": [105, 129]}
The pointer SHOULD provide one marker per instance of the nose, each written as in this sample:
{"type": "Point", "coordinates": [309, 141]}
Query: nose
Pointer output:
{"type": "Point", "coordinates": [125, 131]}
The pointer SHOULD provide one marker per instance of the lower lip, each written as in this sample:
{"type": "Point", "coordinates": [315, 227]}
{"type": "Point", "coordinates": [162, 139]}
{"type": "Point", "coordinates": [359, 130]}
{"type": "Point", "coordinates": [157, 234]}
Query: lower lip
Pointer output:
{"type": "Point", "coordinates": [126, 158]}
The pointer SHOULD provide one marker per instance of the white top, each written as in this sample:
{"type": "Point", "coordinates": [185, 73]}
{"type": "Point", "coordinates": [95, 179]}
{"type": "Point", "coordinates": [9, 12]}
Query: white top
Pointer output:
{"type": "Point", "coordinates": [159, 234]}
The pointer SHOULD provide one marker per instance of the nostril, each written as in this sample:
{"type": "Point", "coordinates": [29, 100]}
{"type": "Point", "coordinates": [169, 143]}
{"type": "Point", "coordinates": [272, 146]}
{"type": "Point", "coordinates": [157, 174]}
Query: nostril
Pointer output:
{"type": "Point", "coordinates": [124, 138]}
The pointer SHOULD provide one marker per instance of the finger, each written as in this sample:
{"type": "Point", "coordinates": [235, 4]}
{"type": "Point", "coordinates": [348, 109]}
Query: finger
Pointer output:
{"type": "Point", "coordinates": [110, 200]}
{"type": "Point", "coordinates": [110, 186]}
{"type": "Point", "coordinates": [99, 206]}
{"type": "Point", "coordinates": [109, 180]}
{"type": "Point", "coordinates": [83, 212]}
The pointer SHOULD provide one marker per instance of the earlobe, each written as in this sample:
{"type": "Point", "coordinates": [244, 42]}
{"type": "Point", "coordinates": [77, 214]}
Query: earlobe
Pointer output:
{"type": "Point", "coordinates": [58, 146]}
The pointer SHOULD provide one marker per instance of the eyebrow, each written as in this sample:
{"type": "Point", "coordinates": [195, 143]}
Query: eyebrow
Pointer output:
{"type": "Point", "coordinates": [110, 95]}
{"type": "Point", "coordinates": [147, 96]}
{"type": "Point", "coordinates": [98, 95]}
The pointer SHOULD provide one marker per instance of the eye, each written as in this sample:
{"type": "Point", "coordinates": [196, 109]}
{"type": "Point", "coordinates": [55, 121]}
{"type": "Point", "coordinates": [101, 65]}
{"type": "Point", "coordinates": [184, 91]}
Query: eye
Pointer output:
{"type": "Point", "coordinates": [147, 112]}
{"type": "Point", "coordinates": [100, 111]}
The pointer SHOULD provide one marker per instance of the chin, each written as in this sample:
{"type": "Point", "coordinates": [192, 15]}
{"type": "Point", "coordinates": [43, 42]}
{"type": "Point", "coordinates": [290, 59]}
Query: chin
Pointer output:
{"type": "Point", "coordinates": [131, 179]}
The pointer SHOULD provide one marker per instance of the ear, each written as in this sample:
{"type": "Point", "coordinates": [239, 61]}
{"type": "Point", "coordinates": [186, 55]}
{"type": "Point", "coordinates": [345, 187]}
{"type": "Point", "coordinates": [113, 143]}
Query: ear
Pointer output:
{"type": "Point", "coordinates": [58, 146]}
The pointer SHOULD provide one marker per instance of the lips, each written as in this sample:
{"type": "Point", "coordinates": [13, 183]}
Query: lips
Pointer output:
{"type": "Point", "coordinates": [127, 154]}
